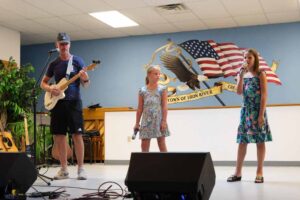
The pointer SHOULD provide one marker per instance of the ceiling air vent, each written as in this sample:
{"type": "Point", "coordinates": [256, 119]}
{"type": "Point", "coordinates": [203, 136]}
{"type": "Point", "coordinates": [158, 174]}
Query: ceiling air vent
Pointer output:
{"type": "Point", "coordinates": [172, 8]}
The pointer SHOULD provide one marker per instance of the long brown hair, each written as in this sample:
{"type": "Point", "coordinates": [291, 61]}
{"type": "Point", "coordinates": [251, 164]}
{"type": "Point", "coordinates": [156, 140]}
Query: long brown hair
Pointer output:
{"type": "Point", "coordinates": [152, 67]}
{"type": "Point", "coordinates": [256, 59]}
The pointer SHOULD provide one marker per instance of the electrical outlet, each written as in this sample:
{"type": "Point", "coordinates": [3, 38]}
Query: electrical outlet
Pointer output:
{"type": "Point", "coordinates": [129, 139]}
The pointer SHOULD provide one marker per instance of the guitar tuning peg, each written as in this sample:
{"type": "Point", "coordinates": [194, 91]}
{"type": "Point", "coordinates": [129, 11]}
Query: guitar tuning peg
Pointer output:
{"type": "Point", "coordinates": [96, 61]}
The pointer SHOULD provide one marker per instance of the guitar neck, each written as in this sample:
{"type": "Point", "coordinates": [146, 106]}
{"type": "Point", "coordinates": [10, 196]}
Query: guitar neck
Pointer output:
{"type": "Point", "coordinates": [75, 77]}
{"type": "Point", "coordinates": [66, 84]}
{"type": "Point", "coordinates": [26, 131]}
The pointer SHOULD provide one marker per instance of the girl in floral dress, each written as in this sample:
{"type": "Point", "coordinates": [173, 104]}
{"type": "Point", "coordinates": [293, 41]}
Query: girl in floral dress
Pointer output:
{"type": "Point", "coordinates": [152, 107]}
{"type": "Point", "coordinates": [253, 127]}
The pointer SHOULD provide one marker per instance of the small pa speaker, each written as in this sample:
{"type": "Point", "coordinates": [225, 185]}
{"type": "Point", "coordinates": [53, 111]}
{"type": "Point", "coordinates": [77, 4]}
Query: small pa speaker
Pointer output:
{"type": "Point", "coordinates": [17, 173]}
{"type": "Point", "coordinates": [170, 176]}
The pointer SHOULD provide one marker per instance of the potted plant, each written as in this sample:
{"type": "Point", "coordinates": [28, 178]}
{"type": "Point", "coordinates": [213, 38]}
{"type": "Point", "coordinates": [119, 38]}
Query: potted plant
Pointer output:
{"type": "Point", "coordinates": [16, 99]}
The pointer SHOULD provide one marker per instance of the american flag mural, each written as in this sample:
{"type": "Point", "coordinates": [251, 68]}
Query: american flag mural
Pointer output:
{"type": "Point", "coordinates": [222, 59]}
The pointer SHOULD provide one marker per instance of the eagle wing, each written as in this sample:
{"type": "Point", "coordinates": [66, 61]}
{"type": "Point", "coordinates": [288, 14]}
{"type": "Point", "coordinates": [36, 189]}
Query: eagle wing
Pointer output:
{"type": "Point", "coordinates": [174, 64]}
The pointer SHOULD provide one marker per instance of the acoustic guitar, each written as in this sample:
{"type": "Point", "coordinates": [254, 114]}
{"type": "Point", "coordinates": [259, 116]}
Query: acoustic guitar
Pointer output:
{"type": "Point", "coordinates": [50, 100]}
{"type": "Point", "coordinates": [7, 142]}
{"type": "Point", "coordinates": [2, 147]}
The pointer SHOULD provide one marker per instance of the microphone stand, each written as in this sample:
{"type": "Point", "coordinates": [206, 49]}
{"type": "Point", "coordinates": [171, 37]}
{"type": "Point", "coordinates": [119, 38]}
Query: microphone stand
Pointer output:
{"type": "Point", "coordinates": [41, 176]}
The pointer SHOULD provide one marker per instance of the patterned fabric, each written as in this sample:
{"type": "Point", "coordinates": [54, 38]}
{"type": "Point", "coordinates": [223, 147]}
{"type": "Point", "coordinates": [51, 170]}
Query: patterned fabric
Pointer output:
{"type": "Point", "coordinates": [248, 130]}
{"type": "Point", "coordinates": [152, 113]}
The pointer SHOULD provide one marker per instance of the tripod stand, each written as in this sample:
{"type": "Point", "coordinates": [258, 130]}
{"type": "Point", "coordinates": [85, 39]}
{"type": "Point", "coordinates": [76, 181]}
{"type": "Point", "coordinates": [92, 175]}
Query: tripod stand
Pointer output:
{"type": "Point", "coordinates": [34, 96]}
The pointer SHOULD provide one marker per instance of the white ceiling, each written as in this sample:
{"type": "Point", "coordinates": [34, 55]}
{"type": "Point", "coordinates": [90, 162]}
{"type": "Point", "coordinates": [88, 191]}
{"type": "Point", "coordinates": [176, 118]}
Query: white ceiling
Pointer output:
{"type": "Point", "coordinates": [39, 21]}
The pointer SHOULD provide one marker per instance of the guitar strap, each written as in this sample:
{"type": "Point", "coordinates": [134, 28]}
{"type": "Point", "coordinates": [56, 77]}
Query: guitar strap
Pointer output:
{"type": "Point", "coordinates": [70, 67]}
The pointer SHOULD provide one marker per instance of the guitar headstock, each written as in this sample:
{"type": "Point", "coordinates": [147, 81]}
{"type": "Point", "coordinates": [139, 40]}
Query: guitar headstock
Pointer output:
{"type": "Point", "coordinates": [96, 61]}
{"type": "Point", "coordinates": [24, 115]}
{"type": "Point", "coordinates": [92, 66]}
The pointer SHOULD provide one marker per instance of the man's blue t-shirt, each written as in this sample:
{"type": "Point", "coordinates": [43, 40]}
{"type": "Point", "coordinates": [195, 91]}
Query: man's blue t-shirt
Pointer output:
{"type": "Point", "coordinates": [58, 69]}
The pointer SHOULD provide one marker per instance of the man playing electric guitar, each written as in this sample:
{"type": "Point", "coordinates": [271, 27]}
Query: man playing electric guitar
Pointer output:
{"type": "Point", "coordinates": [66, 116]}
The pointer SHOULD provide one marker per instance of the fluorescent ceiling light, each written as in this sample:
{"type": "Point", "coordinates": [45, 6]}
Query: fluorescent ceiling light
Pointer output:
{"type": "Point", "coordinates": [114, 19]}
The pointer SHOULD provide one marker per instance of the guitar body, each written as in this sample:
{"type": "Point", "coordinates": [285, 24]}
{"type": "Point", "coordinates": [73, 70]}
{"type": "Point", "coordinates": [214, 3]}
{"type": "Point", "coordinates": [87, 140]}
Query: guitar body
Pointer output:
{"type": "Point", "coordinates": [55, 151]}
{"type": "Point", "coordinates": [50, 100]}
{"type": "Point", "coordinates": [8, 142]}
{"type": "Point", "coordinates": [2, 147]}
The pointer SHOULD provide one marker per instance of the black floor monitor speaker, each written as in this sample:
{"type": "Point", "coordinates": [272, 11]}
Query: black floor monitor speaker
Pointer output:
{"type": "Point", "coordinates": [170, 176]}
{"type": "Point", "coordinates": [17, 173]}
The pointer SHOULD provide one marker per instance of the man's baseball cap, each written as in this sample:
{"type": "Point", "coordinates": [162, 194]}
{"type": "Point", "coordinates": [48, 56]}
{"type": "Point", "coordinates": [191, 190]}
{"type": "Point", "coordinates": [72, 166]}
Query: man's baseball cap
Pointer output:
{"type": "Point", "coordinates": [63, 38]}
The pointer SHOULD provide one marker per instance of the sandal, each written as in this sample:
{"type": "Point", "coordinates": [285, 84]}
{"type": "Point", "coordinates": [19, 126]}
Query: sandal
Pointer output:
{"type": "Point", "coordinates": [234, 178]}
{"type": "Point", "coordinates": [259, 179]}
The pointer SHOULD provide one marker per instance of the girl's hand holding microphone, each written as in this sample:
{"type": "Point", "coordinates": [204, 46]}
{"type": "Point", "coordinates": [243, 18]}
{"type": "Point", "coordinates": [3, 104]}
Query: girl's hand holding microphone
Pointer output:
{"type": "Point", "coordinates": [243, 69]}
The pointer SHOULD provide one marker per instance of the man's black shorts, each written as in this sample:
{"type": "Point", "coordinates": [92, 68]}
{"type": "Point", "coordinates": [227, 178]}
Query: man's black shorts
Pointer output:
{"type": "Point", "coordinates": [66, 117]}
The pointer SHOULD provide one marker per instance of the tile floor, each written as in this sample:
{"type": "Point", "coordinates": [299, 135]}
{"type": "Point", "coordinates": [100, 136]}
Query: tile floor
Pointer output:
{"type": "Point", "coordinates": [281, 183]}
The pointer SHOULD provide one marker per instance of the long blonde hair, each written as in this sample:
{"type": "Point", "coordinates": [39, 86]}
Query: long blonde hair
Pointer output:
{"type": "Point", "coordinates": [149, 70]}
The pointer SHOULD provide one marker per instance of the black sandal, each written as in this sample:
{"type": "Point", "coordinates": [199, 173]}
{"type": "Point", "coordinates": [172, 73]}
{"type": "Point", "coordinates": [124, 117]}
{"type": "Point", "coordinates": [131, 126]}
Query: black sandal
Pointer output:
{"type": "Point", "coordinates": [234, 178]}
{"type": "Point", "coordinates": [259, 179]}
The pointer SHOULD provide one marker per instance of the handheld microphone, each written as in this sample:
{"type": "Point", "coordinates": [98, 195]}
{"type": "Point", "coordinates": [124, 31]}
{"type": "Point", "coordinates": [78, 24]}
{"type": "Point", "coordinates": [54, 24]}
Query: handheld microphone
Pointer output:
{"type": "Point", "coordinates": [53, 50]}
{"type": "Point", "coordinates": [135, 131]}
{"type": "Point", "coordinates": [243, 69]}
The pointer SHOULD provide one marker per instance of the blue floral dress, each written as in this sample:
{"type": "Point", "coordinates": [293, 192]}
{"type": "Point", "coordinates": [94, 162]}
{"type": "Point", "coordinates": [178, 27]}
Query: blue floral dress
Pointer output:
{"type": "Point", "coordinates": [152, 113]}
{"type": "Point", "coordinates": [248, 130]}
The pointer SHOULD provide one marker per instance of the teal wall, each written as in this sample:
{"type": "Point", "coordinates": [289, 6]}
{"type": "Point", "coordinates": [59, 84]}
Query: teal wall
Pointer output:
{"type": "Point", "coordinates": [121, 73]}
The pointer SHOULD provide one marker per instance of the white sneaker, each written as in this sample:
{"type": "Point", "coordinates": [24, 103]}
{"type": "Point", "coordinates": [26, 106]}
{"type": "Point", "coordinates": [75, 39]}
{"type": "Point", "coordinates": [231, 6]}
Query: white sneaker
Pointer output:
{"type": "Point", "coordinates": [81, 174]}
{"type": "Point", "coordinates": [61, 174]}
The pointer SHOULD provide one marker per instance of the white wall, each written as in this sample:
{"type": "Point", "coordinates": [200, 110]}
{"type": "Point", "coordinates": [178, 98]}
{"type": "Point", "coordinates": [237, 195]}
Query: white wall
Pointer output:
{"type": "Point", "coordinates": [10, 43]}
{"type": "Point", "coordinates": [207, 130]}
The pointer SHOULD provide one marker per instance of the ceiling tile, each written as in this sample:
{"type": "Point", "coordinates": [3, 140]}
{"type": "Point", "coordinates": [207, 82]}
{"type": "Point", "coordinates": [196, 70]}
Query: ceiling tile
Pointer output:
{"type": "Point", "coordinates": [23, 8]}
{"type": "Point", "coordinates": [162, 28]}
{"type": "Point", "coordinates": [8, 15]}
{"type": "Point", "coordinates": [279, 5]}
{"type": "Point", "coordinates": [56, 7]}
{"type": "Point", "coordinates": [190, 25]}
{"type": "Point", "coordinates": [208, 9]}
{"type": "Point", "coordinates": [89, 5]}
{"type": "Point", "coordinates": [58, 24]}
{"type": "Point", "coordinates": [283, 17]}
{"type": "Point", "coordinates": [85, 21]}
{"type": "Point", "coordinates": [220, 23]}
{"type": "Point", "coordinates": [242, 7]}
{"type": "Point", "coordinates": [28, 26]}
{"type": "Point", "coordinates": [145, 15]}
{"type": "Point", "coordinates": [248, 20]}
{"type": "Point", "coordinates": [121, 4]}
{"type": "Point", "coordinates": [185, 16]}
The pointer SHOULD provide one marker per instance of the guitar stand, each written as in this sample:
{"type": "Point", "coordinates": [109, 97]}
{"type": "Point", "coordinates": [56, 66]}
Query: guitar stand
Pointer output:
{"type": "Point", "coordinates": [44, 178]}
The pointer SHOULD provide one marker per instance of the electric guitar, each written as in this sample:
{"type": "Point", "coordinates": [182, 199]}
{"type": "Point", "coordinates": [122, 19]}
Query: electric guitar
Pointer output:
{"type": "Point", "coordinates": [51, 100]}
